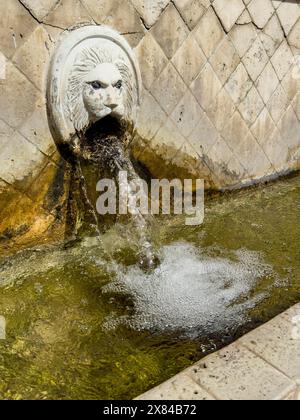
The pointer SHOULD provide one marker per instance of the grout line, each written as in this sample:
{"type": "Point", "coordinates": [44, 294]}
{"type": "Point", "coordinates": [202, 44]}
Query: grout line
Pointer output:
{"type": "Point", "coordinates": [265, 360]}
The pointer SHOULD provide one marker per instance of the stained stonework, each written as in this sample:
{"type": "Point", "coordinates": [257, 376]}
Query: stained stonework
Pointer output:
{"type": "Point", "coordinates": [240, 61]}
{"type": "Point", "coordinates": [221, 89]}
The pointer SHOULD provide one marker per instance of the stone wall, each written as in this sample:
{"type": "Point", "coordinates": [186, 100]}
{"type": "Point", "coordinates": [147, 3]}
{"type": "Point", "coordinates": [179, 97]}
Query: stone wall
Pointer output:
{"type": "Point", "coordinates": [221, 94]}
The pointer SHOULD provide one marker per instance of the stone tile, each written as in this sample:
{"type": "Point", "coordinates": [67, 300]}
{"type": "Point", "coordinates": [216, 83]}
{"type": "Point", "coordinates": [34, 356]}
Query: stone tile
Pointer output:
{"type": "Point", "coordinates": [261, 11]}
{"type": "Point", "coordinates": [181, 387]}
{"type": "Point", "coordinates": [294, 36]}
{"type": "Point", "coordinates": [6, 133]}
{"type": "Point", "coordinates": [54, 33]}
{"type": "Point", "coordinates": [296, 105]}
{"type": "Point", "coordinates": [253, 158]}
{"type": "Point", "coordinates": [243, 38]}
{"type": "Point", "coordinates": [236, 169]}
{"type": "Point", "coordinates": [151, 117]}
{"type": "Point", "coordinates": [18, 97]}
{"type": "Point", "coordinates": [276, 3]}
{"type": "Point", "coordinates": [204, 135]}
{"type": "Point", "coordinates": [15, 26]}
{"type": "Point", "coordinates": [221, 110]}
{"type": "Point", "coordinates": [189, 60]}
{"type": "Point", "coordinates": [228, 12]}
{"type": "Point", "coordinates": [277, 104]}
{"type": "Point", "coordinates": [236, 373]}
{"type": "Point", "coordinates": [186, 114]}
{"type": "Point", "coordinates": [292, 312]}
{"type": "Point", "coordinates": [191, 10]}
{"type": "Point", "coordinates": [3, 64]}
{"type": "Point", "coordinates": [282, 60]}
{"type": "Point", "coordinates": [170, 31]}
{"type": "Point", "coordinates": [7, 195]}
{"type": "Point", "coordinates": [244, 19]}
{"type": "Point", "coordinates": [267, 83]}
{"type": "Point", "coordinates": [272, 35]}
{"type": "Point", "coordinates": [27, 217]}
{"type": "Point", "coordinates": [220, 154]}
{"type": "Point", "coordinates": [68, 13]}
{"type": "Point", "coordinates": [289, 127]}
{"type": "Point", "coordinates": [39, 8]}
{"type": "Point", "coordinates": [21, 162]}
{"type": "Point", "coordinates": [150, 11]}
{"type": "Point", "coordinates": [209, 33]}
{"type": "Point", "coordinates": [274, 342]}
{"type": "Point", "coordinates": [33, 57]}
{"type": "Point", "coordinates": [295, 50]}
{"type": "Point", "coordinates": [225, 60]}
{"type": "Point", "coordinates": [100, 9]}
{"type": "Point", "coordinates": [251, 106]}
{"type": "Point", "coordinates": [190, 164]}
{"type": "Point", "coordinates": [151, 58]}
{"type": "Point", "coordinates": [293, 396]}
{"type": "Point", "coordinates": [36, 129]}
{"type": "Point", "coordinates": [168, 141]}
{"type": "Point", "coordinates": [291, 83]}
{"type": "Point", "coordinates": [263, 126]}
{"type": "Point", "coordinates": [276, 150]}
{"type": "Point", "coordinates": [255, 59]}
{"type": "Point", "coordinates": [288, 14]}
{"type": "Point", "coordinates": [39, 188]}
{"type": "Point", "coordinates": [122, 16]}
{"type": "Point", "coordinates": [239, 84]}
{"type": "Point", "coordinates": [206, 87]}
{"type": "Point", "coordinates": [235, 131]}
{"type": "Point", "coordinates": [168, 89]}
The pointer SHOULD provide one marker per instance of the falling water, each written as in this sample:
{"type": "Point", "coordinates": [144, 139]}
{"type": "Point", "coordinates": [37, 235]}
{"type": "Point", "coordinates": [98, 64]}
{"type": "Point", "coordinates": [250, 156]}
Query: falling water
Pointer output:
{"type": "Point", "coordinates": [105, 155]}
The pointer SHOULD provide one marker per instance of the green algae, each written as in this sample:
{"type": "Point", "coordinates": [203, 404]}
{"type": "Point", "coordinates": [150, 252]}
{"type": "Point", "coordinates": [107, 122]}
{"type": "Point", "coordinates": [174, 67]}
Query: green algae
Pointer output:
{"type": "Point", "coordinates": [53, 301]}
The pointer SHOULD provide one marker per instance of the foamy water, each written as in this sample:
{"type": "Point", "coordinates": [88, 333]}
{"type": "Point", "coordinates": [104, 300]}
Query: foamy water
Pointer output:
{"type": "Point", "coordinates": [190, 292]}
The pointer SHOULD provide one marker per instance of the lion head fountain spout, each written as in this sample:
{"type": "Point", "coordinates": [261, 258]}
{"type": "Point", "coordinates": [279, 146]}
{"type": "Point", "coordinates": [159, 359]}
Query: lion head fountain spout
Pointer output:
{"type": "Point", "coordinates": [93, 96]}
{"type": "Point", "coordinates": [93, 75]}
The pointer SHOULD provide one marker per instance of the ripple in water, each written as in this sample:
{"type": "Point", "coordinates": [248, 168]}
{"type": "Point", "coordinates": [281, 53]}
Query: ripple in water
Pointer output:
{"type": "Point", "coordinates": [191, 293]}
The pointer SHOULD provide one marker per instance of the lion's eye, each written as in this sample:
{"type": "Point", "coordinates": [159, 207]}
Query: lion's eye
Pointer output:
{"type": "Point", "coordinates": [96, 85]}
{"type": "Point", "coordinates": [119, 84]}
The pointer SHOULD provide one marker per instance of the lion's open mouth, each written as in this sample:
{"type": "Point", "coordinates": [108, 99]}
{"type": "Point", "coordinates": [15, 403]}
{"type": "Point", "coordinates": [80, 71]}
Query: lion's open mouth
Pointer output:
{"type": "Point", "coordinates": [111, 125]}
{"type": "Point", "coordinates": [103, 141]}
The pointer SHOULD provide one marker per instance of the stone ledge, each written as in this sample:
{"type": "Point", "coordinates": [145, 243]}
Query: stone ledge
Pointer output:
{"type": "Point", "coordinates": [263, 365]}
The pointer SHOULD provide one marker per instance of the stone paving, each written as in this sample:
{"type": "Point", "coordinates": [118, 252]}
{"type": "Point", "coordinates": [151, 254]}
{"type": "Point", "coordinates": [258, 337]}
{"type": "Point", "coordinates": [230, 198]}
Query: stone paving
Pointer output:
{"type": "Point", "coordinates": [263, 365]}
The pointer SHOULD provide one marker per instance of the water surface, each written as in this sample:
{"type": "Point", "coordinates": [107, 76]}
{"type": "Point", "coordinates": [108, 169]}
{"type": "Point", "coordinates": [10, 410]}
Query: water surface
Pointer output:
{"type": "Point", "coordinates": [86, 322]}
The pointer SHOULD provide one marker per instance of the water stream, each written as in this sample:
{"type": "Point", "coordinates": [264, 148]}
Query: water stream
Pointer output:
{"type": "Point", "coordinates": [106, 155]}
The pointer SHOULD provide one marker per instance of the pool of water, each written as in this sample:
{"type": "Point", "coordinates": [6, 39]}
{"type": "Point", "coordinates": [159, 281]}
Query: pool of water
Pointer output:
{"type": "Point", "coordinates": [85, 322]}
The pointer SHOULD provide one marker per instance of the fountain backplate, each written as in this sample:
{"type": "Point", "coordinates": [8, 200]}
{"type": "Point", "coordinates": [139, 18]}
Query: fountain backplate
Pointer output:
{"type": "Point", "coordinates": [93, 75]}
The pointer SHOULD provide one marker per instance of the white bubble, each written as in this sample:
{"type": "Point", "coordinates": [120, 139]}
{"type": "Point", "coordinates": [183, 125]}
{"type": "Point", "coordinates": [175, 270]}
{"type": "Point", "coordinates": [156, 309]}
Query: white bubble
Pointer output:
{"type": "Point", "coordinates": [190, 292]}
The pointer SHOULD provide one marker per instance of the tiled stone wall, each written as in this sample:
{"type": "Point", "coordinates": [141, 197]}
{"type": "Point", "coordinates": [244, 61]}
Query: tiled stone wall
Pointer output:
{"type": "Point", "coordinates": [221, 89]}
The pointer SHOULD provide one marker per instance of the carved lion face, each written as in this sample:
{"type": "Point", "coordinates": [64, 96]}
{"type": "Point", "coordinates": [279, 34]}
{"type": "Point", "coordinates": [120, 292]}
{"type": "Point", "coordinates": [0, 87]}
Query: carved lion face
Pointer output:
{"type": "Point", "coordinates": [103, 92]}
{"type": "Point", "coordinates": [100, 85]}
